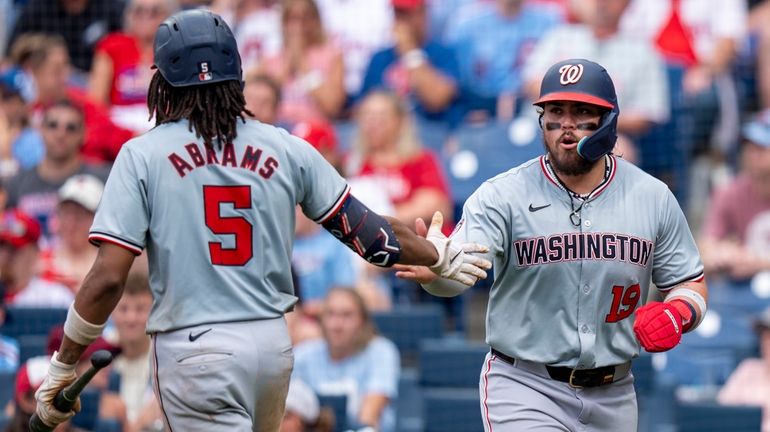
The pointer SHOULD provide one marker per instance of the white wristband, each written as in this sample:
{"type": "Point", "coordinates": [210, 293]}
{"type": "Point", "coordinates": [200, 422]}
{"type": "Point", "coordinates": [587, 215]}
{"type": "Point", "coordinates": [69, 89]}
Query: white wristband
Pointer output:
{"type": "Point", "coordinates": [414, 58]}
{"type": "Point", "coordinates": [695, 297]}
{"type": "Point", "coordinates": [80, 330]}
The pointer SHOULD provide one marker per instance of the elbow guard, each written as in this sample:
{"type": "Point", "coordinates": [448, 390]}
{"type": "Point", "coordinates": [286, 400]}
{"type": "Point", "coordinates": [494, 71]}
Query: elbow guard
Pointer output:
{"type": "Point", "coordinates": [365, 232]}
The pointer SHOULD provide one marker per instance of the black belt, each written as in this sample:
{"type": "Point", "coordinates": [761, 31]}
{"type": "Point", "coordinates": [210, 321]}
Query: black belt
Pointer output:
{"type": "Point", "coordinates": [574, 377]}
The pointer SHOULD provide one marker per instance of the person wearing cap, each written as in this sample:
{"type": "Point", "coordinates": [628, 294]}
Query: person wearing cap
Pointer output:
{"type": "Point", "coordinates": [68, 259]}
{"type": "Point", "coordinates": [749, 384]}
{"type": "Point", "coordinates": [422, 69]}
{"type": "Point", "coordinates": [303, 412]}
{"type": "Point", "coordinates": [577, 238]}
{"type": "Point", "coordinates": [19, 257]}
{"type": "Point", "coordinates": [734, 238]}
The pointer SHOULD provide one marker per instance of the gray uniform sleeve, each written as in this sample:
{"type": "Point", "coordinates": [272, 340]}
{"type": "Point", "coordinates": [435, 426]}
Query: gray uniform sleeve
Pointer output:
{"type": "Point", "coordinates": [483, 222]}
{"type": "Point", "coordinates": [123, 215]}
{"type": "Point", "coordinates": [676, 258]}
{"type": "Point", "coordinates": [321, 189]}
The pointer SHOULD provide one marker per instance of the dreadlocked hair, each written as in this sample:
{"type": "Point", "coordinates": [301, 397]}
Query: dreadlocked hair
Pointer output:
{"type": "Point", "coordinates": [212, 109]}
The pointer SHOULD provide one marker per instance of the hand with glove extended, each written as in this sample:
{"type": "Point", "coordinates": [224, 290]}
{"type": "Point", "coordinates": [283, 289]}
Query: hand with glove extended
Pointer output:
{"type": "Point", "coordinates": [455, 261]}
{"type": "Point", "coordinates": [59, 376]}
{"type": "Point", "coordinates": [659, 326]}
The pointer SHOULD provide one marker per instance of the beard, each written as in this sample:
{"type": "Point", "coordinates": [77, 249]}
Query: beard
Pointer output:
{"type": "Point", "coordinates": [567, 162]}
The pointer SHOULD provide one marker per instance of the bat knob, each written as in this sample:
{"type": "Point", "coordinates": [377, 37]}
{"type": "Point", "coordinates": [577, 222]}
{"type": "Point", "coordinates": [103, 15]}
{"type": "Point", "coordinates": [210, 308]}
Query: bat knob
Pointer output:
{"type": "Point", "coordinates": [101, 359]}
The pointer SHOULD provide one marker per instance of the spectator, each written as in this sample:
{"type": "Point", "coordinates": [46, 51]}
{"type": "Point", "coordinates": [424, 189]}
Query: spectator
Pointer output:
{"type": "Point", "coordinates": [353, 361]}
{"type": "Point", "coordinates": [133, 363]}
{"type": "Point", "coordinates": [736, 231]}
{"type": "Point", "coordinates": [309, 68]}
{"type": "Point", "coordinates": [359, 29]}
{"type": "Point", "coordinates": [425, 71]}
{"type": "Point", "coordinates": [387, 151]}
{"type": "Point", "coordinates": [637, 70]}
{"type": "Point", "coordinates": [491, 81]}
{"type": "Point", "coordinates": [121, 70]}
{"type": "Point", "coordinates": [35, 191]}
{"type": "Point", "coordinates": [21, 146]}
{"type": "Point", "coordinates": [758, 19]}
{"type": "Point", "coordinates": [45, 72]}
{"type": "Point", "coordinates": [749, 384]}
{"type": "Point", "coordinates": [257, 28]}
{"type": "Point", "coordinates": [303, 411]}
{"type": "Point", "coordinates": [322, 137]}
{"type": "Point", "coordinates": [19, 254]}
{"type": "Point", "coordinates": [82, 23]}
{"type": "Point", "coordinates": [110, 405]}
{"type": "Point", "coordinates": [68, 259]}
{"type": "Point", "coordinates": [9, 347]}
{"type": "Point", "coordinates": [263, 96]}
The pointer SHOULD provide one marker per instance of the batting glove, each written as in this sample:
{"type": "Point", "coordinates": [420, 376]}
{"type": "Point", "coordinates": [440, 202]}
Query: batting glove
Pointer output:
{"type": "Point", "coordinates": [455, 261]}
{"type": "Point", "coordinates": [59, 376]}
{"type": "Point", "coordinates": [658, 326]}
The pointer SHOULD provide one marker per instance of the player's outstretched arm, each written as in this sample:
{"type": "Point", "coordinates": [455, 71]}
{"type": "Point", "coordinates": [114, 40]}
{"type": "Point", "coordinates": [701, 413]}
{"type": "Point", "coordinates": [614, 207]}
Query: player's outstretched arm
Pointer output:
{"type": "Point", "coordinates": [385, 241]}
{"type": "Point", "coordinates": [93, 304]}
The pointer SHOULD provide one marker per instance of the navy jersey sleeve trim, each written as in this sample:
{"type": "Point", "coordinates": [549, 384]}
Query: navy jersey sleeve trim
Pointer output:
{"type": "Point", "coordinates": [696, 278]}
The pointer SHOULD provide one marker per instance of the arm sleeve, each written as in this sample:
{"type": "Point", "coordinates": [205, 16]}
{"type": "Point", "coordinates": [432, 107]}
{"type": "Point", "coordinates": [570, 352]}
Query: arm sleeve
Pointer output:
{"type": "Point", "coordinates": [384, 377]}
{"type": "Point", "coordinates": [321, 188]}
{"type": "Point", "coordinates": [676, 257]}
{"type": "Point", "coordinates": [123, 215]}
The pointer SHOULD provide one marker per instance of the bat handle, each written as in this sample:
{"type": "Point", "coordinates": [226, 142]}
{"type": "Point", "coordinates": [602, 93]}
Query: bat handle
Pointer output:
{"type": "Point", "coordinates": [37, 425]}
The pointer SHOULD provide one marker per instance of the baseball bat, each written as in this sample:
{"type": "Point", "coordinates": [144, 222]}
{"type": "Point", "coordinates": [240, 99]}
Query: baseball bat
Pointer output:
{"type": "Point", "coordinates": [66, 398]}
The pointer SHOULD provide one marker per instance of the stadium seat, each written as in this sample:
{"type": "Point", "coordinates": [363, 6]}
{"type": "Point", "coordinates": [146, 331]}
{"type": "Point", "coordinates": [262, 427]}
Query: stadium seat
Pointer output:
{"type": "Point", "coordinates": [89, 410]}
{"type": "Point", "coordinates": [409, 406]}
{"type": "Point", "coordinates": [407, 326]}
{"type": "Point", "coordinates": [432, 135]}
{"type": "Point", "coordinates": [644, 374]}
{"type": "Point", "coordinates": [7, 385]}
{"type": "Point", "coordinates": [711, 417]}
{"type": "Point", "coordinates": [723, 331]}
{"type": "Point", "coordinates": [701, 368]}
{"type": "Point", "coordinates": [452, 410]}
{"type": "Point", "coordinates": [451, 363]}
{"type": "Point", "coordinates": [4, 421]}
{"type": "Point", "coordinates": [748, 297]}
{"type": "Point", "coordinates": [31, 346]}
{"type": "Point", "coordinates": [108, 425]}
{"type": "Point", "coordinates": [32, 321]}
{"type": "Point", "coordinates": [484, 151]}
{"type": "Point", "coordinates": [114, 381]}
{"type": "Point", "coordinates": [339, 405]}
{"type": "Point", "coordinates": [345, 131]}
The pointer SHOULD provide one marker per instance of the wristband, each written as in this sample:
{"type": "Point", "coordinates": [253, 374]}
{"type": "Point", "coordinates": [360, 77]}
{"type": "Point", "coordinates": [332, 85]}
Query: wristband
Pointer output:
{"type": "Point", "coordinates": [79, 330]}
{"type": "Point", "coordinates": [414, 59]}
{"type": "Point", "coordinates": [690, 296]}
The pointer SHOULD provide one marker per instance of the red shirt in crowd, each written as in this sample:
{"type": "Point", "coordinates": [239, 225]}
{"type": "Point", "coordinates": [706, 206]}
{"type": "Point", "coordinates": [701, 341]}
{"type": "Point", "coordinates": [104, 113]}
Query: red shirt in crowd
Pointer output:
{"type": "Point", "coordinates": [130, 78]}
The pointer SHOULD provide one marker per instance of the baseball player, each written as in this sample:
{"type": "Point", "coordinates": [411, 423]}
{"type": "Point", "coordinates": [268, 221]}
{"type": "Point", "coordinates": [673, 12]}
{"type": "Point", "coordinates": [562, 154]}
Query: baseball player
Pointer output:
{"type": "Point", "coordinates": [211, 196]}
{"type": "Point", "coordinates": [576, 236]}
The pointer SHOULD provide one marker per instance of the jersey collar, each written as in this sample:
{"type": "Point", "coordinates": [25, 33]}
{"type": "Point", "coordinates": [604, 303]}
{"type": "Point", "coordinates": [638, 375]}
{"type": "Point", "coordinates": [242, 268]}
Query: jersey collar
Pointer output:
{"type": "Point", "coordinates": [609, 174]}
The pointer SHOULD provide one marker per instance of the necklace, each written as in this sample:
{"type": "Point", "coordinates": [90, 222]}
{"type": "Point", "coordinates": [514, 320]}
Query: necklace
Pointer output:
{"type": "Point", "coordinates": [574, 216]}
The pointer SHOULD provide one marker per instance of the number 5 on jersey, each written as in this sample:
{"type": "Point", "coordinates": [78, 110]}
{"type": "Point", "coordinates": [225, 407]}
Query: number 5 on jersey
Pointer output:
{"type": "Point", "coordinates": [237, 226]}
{"type": "Point", "coordinates": [624, 301]}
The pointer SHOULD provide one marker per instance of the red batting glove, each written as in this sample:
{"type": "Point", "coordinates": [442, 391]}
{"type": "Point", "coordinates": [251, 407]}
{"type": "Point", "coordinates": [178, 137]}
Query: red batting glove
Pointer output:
{"type": "Point", "coordinates": [658, 326]}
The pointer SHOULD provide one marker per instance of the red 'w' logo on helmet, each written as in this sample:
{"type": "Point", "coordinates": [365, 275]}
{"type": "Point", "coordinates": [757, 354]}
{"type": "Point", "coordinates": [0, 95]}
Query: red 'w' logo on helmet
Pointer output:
{"type": "Point", "coordinates": [570, 74]}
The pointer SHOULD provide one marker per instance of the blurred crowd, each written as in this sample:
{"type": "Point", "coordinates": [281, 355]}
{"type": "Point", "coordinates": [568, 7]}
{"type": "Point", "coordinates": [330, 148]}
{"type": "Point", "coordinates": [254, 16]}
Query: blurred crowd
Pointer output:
{"type": "Point", "coordinates": [363, 82]}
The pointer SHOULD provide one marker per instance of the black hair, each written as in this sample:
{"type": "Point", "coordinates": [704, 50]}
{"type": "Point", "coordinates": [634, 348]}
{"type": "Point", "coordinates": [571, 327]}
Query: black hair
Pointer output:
{"type": "Point", "coordinates": [212, 109]}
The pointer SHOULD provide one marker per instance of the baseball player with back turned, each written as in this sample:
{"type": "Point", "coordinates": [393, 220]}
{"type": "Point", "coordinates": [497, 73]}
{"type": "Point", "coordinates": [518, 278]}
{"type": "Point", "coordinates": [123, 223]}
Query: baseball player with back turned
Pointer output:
{"type": "Point", "coordinates": [211, 196]}
{"type": "Point", "coordinates": [575, 236]}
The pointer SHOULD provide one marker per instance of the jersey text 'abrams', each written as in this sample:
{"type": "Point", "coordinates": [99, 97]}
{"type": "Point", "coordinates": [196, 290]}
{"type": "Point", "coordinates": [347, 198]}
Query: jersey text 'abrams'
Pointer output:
{"type": "Point", "coordinates": [583, 246]}
{"type": "Point", "coordinates": [251, 159]}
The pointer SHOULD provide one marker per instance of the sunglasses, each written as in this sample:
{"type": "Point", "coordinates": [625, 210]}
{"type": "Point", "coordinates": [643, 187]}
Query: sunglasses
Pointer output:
{"type": "Point", "coordinates": [68, 126]}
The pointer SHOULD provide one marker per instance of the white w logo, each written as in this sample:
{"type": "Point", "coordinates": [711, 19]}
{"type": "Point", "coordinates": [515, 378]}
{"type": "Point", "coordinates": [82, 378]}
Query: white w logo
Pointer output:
{"type": "Point", "coordinates": [570, 74]}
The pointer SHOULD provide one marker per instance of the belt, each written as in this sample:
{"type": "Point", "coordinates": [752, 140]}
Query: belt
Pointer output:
{"type": "Point", "coordinates": [576, 378]}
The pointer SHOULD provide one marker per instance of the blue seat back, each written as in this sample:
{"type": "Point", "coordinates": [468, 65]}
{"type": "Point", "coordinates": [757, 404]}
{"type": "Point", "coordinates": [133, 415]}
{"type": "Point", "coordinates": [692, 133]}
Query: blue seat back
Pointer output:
{"type": "Point", "coordinates": [451, 363]}
{"type": "Point", "coordinates": [452, 410]}
{"type": "Point", "coordinates": [710, 417]}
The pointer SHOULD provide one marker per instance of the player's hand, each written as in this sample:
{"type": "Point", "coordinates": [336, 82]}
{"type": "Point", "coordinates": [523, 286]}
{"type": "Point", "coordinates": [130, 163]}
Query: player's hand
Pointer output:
{"type": "Point", "coordinates": [456, 261]}
{"type": "Point", "coordinates": [59, 376]}
{"type": "Point", "coordinates": [658, 326]}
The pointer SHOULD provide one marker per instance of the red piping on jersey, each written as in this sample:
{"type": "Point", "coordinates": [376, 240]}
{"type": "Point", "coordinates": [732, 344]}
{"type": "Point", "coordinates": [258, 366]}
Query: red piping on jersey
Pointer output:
{"type": "Point", "coordinates": [97, 238]}
{"type": "Point", "coordinates": [609, 180]}
{"type": "Point", "coordinates": [337, 206]}
{"type": "Point", "coordinates": [486, 393]}
{"type": "Point", "coordinates": [545, 171]}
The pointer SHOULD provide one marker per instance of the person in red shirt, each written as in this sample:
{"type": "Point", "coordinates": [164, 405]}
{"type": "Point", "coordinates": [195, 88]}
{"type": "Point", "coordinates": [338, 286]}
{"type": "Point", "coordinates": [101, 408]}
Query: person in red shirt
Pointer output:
{"type": "Point", "coordinates": [121, 71]}
{"type": "Point", "coordinates": [387, 151]}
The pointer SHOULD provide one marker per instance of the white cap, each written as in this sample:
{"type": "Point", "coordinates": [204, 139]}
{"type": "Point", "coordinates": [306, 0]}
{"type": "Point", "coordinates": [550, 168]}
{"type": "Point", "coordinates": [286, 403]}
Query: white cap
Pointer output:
{"type": "Point", "coordinates": [83, 189]}
{"type": "Point", "coordinates": [301, 400]}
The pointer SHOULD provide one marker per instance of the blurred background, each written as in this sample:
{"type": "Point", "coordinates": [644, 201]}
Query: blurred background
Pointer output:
{"type": "Point", "coordinates": [416, 102]}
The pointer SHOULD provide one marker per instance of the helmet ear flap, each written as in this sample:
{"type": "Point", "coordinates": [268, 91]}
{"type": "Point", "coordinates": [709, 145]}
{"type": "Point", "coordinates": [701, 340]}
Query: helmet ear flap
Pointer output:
{"type": "Point", "coordinates": [602, 141]}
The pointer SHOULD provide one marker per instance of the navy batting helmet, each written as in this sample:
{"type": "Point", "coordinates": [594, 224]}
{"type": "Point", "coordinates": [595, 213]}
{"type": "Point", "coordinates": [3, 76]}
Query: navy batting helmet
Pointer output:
{"type": "Point", "coordinates": [582, 80]}
{"type": "Point", "coordinates": [195, 47]}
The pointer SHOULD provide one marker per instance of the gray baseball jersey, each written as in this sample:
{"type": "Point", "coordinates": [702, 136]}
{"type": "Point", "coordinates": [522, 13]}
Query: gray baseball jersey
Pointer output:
{"type": "Point", "coordinates": [564, 294]}
{"type": "Point", "coordinates": [218, 223]}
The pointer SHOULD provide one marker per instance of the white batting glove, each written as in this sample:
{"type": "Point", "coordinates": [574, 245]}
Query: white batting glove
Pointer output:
{"type": "Point", "coordinates": [455, 261]}
{"type": "Point", "coordinates": [59, 376]}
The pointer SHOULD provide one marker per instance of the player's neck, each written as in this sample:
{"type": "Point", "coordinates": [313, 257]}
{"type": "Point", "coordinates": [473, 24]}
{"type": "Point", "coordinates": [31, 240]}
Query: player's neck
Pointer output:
{"type": "Point", "coordinates": [584, 183]}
